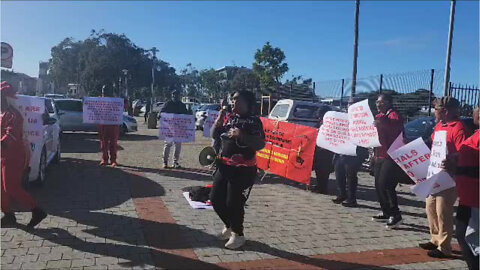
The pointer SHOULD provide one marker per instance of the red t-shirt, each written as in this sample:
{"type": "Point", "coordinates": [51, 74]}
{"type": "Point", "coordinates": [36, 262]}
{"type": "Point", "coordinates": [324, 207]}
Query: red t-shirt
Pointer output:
{"type": "Point", "coordinates": [456, 134]}
{"type": "Point", "coordinates": [390, 126]}
{"type": "Point", "coordinates": [467, 186]}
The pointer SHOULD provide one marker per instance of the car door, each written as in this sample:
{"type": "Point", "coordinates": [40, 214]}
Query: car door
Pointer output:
{"type": "Point", "coordinates": [71, 115]}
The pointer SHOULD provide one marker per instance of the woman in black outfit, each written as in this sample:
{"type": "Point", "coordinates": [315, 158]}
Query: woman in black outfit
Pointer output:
{"type": "Point", "coordinates": [241, 136]}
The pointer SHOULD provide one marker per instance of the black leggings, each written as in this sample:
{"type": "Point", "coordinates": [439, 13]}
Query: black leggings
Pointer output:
{"type": "Point", "coordinates": [387, 173]}
{"type": "Point", "coordinates": [231, 186]}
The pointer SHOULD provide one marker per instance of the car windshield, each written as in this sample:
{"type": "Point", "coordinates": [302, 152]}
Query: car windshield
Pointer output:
{"type": "Point", "coordinates": [280, 110]}
{"type": "Point", "coordinates": [69, 105]}
{"type": "Point", "coordinates": [418, 128]}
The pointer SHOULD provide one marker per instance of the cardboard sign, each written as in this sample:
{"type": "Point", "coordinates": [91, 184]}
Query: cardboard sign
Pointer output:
{"type": "Point", "coordinates": [103, 110]}
{"type": "Point", "coordinates": [289, 150]}
{"type": "Point", "coordinates": [177, 127]}
{"type": "Point", "coordinates": [333, 135]}
{"type": "Point", "coordinates": [440, 179]}
{"type": "Point", "coordinates": [413, 158]}
{"type": "Point", "coordinates": [32, 110]}
{"type": "Point", "coordinates": [209, 121]}
{"type": "Point", "coordinates": [362, 131]}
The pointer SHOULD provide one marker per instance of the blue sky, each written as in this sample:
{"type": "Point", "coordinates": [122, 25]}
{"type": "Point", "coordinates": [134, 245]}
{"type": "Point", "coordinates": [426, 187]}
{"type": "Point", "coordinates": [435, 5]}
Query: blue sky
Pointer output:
{"type": "Point", "coordinates": [317, 36]}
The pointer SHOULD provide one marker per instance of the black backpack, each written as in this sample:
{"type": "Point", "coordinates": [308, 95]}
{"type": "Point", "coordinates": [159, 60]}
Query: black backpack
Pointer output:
{"type": "Point", "coordinates": [199, 193]}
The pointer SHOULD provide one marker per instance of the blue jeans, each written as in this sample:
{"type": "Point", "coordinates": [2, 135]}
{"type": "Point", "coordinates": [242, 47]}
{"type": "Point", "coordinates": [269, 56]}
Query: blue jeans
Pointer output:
{"type": "Point", "coordinates": [346, 169]}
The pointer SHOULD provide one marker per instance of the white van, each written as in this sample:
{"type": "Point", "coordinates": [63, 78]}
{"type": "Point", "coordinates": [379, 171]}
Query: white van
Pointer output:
{"type": "Point", "coordinates": [298, 112]}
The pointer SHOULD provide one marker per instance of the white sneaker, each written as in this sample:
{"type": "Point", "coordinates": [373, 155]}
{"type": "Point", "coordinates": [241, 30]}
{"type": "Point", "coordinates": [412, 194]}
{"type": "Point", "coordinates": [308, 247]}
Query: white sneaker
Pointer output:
{"type": "Point", "coordinates": [235, 241]}
{"type": "Point", "coordinates": [225, 234]}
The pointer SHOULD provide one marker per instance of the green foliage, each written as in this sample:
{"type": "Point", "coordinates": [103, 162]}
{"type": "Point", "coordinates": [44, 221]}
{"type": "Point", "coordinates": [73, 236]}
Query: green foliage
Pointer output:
{"type": "Point", "coordinates": [245, 80]}
{"type": "Point", "coordinates": [269, 65]}
{"type": "Point", "coordinates": [215, 83]}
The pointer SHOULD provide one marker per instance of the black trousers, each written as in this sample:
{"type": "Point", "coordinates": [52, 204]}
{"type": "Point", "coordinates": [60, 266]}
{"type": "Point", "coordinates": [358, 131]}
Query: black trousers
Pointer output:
{"type": "Point", "coordinates": [386, 174]}
{"type": "Point", "coordinates": [346, 169]}
{"type": "Point", "coordinates": [463, 216]}
{"type": "Point", "coordinates": [231, 186]}
{"type": "Point", "coordinates": [323, 166]}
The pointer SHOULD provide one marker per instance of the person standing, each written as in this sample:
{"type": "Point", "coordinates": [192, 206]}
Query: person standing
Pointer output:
{"type": "Point", "coordinates": [389, 124]}
{"type": "Point", "coordinates": [148, 107]}
{"type": "Point", "coordinates": [439, 206]}
{"type": "Point", "coordinates": [175, 106]}
{"type": "Point", "coordinates": [322, 162]}
{"type": "Point", "coordinates": [241, 136]}
{"type": "Point", "coordinates": [14, 162]}
{"type": "Point", "coordinates": [108, 137]}
{"type": "Point", "coordinates": [465, 167]}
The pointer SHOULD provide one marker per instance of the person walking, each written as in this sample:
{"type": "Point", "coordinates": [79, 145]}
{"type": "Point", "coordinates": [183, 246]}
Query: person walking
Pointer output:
{"type": "Point", "coordinates": [389, 125]}
{"type": "Point", "coordinates": [14, 162]}
{"type": "Point", "coordinates": [175, 106]}
{"type": "Point", "coordinates": [241, 136]}
{"type": "Point", "coordinates": [108, 137]}
{"type": "Point", "coordinates": [465, 167]}
{"type": "Point", "coordinates": [148, 107]}
{"type": "Point", "coordinates": [439, 206]}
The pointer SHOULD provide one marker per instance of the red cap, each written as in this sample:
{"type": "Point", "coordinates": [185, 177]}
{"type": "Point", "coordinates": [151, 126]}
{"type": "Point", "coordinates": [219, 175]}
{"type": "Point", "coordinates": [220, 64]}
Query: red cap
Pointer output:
{"type": "Point", "coordinates": [7, 90]}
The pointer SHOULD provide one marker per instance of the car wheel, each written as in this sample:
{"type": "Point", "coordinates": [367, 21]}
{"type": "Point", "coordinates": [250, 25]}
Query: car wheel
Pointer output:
{"type": "Point", "coordinates": [57, 157]}
{"type": "Point", "coordinates": [123, 130]}
{"type": "Point", "coordinates": [42, 170]}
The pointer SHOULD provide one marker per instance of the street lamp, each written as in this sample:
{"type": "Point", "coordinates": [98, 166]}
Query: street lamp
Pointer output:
{"type": "Point", "coordinates": [125, 73]}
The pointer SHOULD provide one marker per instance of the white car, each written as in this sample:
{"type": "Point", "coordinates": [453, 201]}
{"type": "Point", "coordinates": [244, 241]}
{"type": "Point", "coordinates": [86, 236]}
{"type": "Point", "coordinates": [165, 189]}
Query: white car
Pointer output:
{"type": "Point", "coordinates": [70, 112]}
{"type": "Point", "coordinates": [298, 112]}
{"type": "Point", "coordinates": [201, 114]}
{"type": "Point", "coordinates": [47, 151]}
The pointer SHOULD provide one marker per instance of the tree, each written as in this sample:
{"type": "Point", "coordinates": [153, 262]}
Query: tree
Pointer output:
{"type": "Point", "coordinates": [191, 81]}
{"type": "Point", "coordinates": [245, 80]}
{"type": "Point", "coordinates": [214, 83]}
{"type": "Point", "coordinates": [269, 65]}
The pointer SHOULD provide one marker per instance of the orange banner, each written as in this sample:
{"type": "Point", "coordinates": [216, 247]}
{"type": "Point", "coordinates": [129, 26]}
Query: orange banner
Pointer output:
{"type": "Point", "coordinates": [289, 150]}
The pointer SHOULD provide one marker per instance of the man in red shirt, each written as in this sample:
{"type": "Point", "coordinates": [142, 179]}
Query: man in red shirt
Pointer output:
{"type": "Point", "coordinates": [14, 162]}
{"type": "Point", "coordinates": [108, 136]}
{"type": "Point", "coordinates": [439, 206]}
{"type": "Point", "coordinates": [389, 124]}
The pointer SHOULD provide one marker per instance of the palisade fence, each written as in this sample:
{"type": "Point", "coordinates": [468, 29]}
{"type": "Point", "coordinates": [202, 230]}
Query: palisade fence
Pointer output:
{"type": "Point", "coordinates": [469, 97]}
{"type": "Point", "coordinates": [413, 92]}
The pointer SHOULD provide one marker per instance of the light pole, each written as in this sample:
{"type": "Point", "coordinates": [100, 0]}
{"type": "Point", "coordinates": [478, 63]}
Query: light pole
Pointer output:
{"type": "Point", "coordinates": [125, 73]}
{"type": "Point", "coordinates": [449, 50]}
{"type": "Point", "coordinates": [355, 49]}
{"type": "Point", "coordinates": [152, 116]}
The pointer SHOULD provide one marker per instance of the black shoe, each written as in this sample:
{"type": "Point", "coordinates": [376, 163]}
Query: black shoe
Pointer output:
{"type": "Point", "coordinates": [437, 254]}
{"type": "Point", "coordinates": [350, 204]}
{"type": "Point", "coordinates": [338, 200]}
{"type": "Point", "coordinates": [37, 216]}
{"type": "Point", "coordinates": [428, 246]}
{"type": "Point", "coordinates": [380, 217]}
{"type": "Point", "coordinates": [394, 221]}
{"type": "Point", "coordinates": [8, 220]}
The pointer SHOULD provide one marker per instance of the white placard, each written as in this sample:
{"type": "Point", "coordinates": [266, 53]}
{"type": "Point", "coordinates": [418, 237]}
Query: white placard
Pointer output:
{"type": "Point", "coordinates": [32, 109]}
{"type": "Point", "coordinates": [103, 110]}
{"type": "Point", "coordinates": [177, 127]}
{"type": "Point", "coordinates": [441, 179]}
{"type": "Point", "coordinates": [209, 121]}
{"type": "Point", "coordinates": [333, 134]}
{"type": "Point", "coordinates": [362, 131]}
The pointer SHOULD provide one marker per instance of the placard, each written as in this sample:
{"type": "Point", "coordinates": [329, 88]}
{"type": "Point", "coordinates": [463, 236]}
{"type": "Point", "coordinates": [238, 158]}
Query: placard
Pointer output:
{"type": "Point", "coordinates": [441, 180]}
{"type": "Point", "coordinates": [212, 115]}
{"type": "Point", "coordinates": [32, 109]}
{"type": "Point", "coordinates": [177, 127]}
{"type": "Point", "coordinates": [333, 135]}
{"type": "Point", "coordinates": [413, 158]}
{"type": "Point", "coordinates": [103, 110]}
{"type": "Point", "coordinates": [362, 131]}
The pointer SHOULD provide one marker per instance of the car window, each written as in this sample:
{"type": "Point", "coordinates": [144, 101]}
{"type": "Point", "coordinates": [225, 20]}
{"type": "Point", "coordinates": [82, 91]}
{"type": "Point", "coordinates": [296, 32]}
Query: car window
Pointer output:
{"type": "Point", "coordinates": [212, 107]}
{"type": "Point", "coordinates": [280, 110]}
{"type": "Point", "coordinates": [49, 106]}
{"type": "Point", "coordinates": [305, 111]}
{"type": "Point", "coordinates": [70, 105]}
{"type": "Point", "coordinates": [419, 127]}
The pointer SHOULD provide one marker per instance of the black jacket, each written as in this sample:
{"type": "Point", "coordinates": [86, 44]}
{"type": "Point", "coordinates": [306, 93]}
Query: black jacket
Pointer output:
{"type": "Point", "coordinates": [176, 107]}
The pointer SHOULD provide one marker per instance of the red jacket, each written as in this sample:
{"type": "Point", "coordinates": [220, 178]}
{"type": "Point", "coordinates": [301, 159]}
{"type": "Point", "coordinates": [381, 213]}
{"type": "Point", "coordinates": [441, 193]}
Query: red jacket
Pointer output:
{"type": "Point", "coordinates": [467, 172]}
{"type": "Point", "coordinates": [12, 135]}
{"type": "Point", "coordinates": [456, 134]}
{"type": "Point", "coordinates": [390, 126]}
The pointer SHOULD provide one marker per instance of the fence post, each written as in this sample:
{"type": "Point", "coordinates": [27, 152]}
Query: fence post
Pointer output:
{"type": "Point", "coordinates": [431, 92]}
{"type": "Point", "coordinates": [381, 82]}
{"type": "Point", "coordinates": [341, 95]}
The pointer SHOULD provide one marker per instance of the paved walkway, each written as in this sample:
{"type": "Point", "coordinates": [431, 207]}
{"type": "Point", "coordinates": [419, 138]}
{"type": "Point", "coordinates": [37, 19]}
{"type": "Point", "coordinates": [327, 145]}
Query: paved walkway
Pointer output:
{"type": "Point", "coordinates": [135, 217]}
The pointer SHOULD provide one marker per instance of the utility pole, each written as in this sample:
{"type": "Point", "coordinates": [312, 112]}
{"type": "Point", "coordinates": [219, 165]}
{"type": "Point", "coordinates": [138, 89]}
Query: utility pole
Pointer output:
{"type": "Point", "coordinates": [152, 116]}
{"type": "Point", "coordinates": [355, 49]}
{"type": "Point", "coordinates": [449, 49]}
{"type": "Point", "coordinates": [154, 58]}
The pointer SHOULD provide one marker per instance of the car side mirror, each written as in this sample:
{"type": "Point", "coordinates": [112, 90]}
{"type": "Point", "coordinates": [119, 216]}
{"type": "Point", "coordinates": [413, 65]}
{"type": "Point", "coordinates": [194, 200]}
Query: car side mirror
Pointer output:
{"type": "Point", "coordinates": [51, 121]}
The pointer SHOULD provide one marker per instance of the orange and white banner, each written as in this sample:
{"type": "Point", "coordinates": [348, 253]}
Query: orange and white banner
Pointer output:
{"type": "Point", "coordinates": [289, 150]}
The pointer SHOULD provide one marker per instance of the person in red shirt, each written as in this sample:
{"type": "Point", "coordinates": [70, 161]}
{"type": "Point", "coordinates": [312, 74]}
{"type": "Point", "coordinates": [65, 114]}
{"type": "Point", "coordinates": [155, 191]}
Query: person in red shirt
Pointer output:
{"type": "Point", "coordinates": [14, 162]}
{"type": "Point", "coordinates": [108, 137]}
{"type": "Point", "coordinates": [439, 206]}
{"type": "Point", "coordinates": [465, 167]}
{"type": "Point", "coordinates": [389, 124]}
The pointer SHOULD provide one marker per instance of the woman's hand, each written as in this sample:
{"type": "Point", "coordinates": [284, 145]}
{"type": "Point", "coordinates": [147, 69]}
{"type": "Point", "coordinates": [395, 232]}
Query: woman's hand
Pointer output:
{"type": "Point", "coordinates": [234, 133]}
{"type": "Point", "coordinates": [449, 165]}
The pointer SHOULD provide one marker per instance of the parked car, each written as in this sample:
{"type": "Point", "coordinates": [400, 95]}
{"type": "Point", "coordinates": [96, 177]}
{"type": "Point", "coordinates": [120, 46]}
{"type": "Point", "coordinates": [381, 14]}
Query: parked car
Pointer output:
{"type": "Point", "coordinates": [54, 96]}
{"type": "Point", "coordinates": [156, 108]}
{"type": "Point", "coordinates": [298, 112]}
{"type": "Point", "coordinates": [201, 114]}
{"type": "Point", "coordinates": [47, 151]}
{"type": "Point", "coordinates": [70, 112]}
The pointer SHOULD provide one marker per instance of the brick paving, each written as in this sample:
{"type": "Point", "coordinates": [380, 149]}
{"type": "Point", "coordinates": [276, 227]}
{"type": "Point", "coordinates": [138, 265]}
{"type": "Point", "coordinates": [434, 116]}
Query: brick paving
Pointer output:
{"type": "Point", "coordinates": [134, 217]}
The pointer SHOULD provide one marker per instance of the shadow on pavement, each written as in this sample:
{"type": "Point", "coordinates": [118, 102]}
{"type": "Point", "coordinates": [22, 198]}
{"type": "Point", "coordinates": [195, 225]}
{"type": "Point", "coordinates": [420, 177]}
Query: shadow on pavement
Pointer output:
{"type": "Point", "coordinates": [184, 173]}
{"type": "Point", "coordinates": [80, 143]}
{"type": "Point", "coordinates": [137, 137]}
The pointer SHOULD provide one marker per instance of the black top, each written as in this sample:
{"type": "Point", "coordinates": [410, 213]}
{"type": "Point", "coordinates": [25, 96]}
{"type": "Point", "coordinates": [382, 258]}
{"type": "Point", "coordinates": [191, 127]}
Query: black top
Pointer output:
{"type": "Point", "coordinates": [176, 107]}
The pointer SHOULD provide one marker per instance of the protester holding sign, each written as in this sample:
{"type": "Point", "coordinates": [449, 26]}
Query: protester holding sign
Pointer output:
{"type": "Point", "coordinates": [108, 136]}
{"type": "Point", "coordinates": [175, 106]}
{"type": "Point", "coordinates": [14, 162]}
{"type": "Point", "coordinates": [439, 206]}
{"type": "Point", "coordinates": [322, 163]}
{"type": "Point", "coordinates": [389, 124]}
{"type": "Point", "coordinates": [241, 136]}
{"type": "Point", "coordinates": [465, 169]}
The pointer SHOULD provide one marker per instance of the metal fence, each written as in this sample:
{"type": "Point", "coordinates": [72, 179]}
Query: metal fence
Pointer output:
{"type": "Point", "coordinates": [469, 97]}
